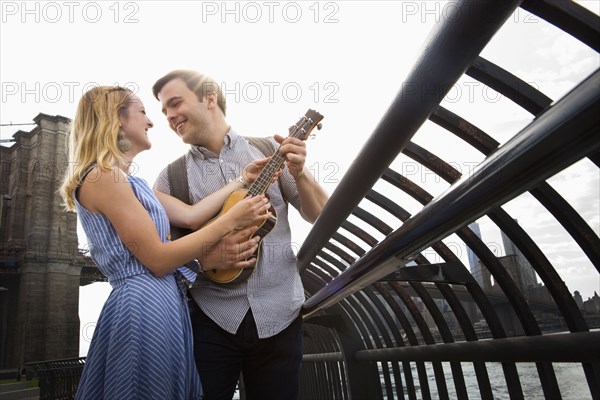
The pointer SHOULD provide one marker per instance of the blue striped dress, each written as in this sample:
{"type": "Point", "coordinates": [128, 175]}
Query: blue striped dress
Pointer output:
{"type": "Point", "coordinates": [142, 345]}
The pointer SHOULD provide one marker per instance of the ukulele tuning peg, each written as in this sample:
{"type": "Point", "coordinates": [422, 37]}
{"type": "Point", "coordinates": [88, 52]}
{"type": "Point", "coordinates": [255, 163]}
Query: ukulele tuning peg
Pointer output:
{"type": "Point", "coordinates": [312, 136]}
{"type": "Point", "coordinates": [319, 126]}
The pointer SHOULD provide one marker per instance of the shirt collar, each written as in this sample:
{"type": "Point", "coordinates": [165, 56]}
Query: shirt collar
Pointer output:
{"type": "Point", "coordinates": [229, 141]}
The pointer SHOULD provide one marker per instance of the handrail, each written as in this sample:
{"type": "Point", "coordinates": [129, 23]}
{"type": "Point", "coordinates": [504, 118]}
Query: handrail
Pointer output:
{"type": "Point", "coordinates": [565, 133]}
{"type": "Point", "coordinates": [565, 347]}
{"type": "Point", "coordinates": [455, 44]}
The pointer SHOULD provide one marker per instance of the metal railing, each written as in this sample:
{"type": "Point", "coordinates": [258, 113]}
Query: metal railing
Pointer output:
{"type": "Point", "coordinates": [58, 379]}
{"type": "Point", "coordinates": [372, 315]}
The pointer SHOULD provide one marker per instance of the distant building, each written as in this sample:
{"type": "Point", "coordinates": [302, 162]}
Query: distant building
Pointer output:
{"type": "Point", "coordinates": [592, 305]}
{"type": "Point", "coordinates": [578, 299]}
{"type": "Point", "coordinates": [474, 262]}
{"type": "Point", "coordinates": [523, 273]}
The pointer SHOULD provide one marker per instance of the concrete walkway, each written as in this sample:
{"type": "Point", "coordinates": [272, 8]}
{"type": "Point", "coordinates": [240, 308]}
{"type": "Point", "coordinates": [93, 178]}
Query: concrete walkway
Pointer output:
{"type": "Point", "coordinates": [19, 391]}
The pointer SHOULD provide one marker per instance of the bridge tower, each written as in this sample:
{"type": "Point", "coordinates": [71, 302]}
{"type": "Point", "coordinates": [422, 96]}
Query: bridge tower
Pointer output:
{"type": "Point", "coordinates": [40, 264]}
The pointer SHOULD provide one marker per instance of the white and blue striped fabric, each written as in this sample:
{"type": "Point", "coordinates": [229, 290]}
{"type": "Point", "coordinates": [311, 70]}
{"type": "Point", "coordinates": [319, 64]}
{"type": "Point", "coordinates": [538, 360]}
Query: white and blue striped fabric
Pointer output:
{"type": "Point", "coordinates": [142, 345]}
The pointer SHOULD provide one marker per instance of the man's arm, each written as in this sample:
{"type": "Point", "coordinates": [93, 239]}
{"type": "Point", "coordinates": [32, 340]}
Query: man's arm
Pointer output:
{"type": "Point", "coordinates": [312, 196]}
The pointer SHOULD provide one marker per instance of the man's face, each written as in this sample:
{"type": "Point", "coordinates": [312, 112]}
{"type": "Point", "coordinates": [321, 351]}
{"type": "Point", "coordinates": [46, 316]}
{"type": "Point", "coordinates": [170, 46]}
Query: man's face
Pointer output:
{"type": "Point", "coordinates": [187, 115]}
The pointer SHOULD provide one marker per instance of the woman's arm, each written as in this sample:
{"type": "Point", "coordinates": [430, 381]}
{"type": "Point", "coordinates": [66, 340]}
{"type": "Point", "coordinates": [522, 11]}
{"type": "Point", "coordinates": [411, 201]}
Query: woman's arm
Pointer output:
{"type": "Point", "coordinates": [111, 195]}
{"type": "Point", "coordinates": [194, 216]}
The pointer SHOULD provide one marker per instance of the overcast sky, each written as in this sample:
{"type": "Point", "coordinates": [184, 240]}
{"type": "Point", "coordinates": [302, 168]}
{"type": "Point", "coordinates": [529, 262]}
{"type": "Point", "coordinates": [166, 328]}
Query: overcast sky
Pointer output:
{"type": "Point", "coordinates": [274, 60]}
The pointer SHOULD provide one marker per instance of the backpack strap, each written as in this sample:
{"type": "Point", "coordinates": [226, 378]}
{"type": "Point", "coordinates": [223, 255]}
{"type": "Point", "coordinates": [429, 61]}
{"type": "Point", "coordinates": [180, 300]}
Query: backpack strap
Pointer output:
{"type": "Point", "coordinates": [178, 185]}
{"type": "Point", "coordinates": [268, 149]}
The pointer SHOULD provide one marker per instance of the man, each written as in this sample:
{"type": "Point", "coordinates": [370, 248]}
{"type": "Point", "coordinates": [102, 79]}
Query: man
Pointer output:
{"type": "Point", "coordinates": [253, 327]}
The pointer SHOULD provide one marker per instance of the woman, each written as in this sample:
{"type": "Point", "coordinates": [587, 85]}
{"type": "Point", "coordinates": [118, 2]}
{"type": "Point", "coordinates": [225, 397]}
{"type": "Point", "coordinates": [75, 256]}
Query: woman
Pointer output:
{"type": "Point", "coordinates": [142, 346]}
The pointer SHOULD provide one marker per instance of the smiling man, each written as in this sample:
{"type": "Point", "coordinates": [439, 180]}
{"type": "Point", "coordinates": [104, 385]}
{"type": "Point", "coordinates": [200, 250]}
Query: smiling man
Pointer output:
{"type": "Point", "coordinates": [253, 327]}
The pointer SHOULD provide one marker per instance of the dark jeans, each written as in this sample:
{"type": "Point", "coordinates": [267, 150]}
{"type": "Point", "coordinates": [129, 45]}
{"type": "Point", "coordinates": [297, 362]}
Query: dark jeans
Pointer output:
{"type": "Point", "coordinates": [270, 367]}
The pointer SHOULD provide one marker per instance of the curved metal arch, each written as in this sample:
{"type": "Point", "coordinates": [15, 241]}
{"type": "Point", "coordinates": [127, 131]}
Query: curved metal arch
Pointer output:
{"type": "Point", "coordinates": [569, 16]}
{"type": "Point", "coordinates": [435, 79]}
{"type": "Point", "coordinates": [323, 342]}
{"type": "Point", "coordinates": [549, 381]}
{"type": "Point", "coordinates": [483, 379]}
{"type": "Point", "coordinates": [484, 144]}
{"type": "Point", "coordinates": [374, 194]}
{"type": "Point", "coordinates": [397, 339]}
{"type": "Point", "coordinates": [534, 101]}
{"type": "Point", "coordinates": [321, 262]}
{"type": "Point", "coordinates": [567, 219]}
{"type": "Point", "coordinates": [425, 333]}
{"type": "Point", "coordinates": [359, 233]}
{"type": "Point", "coordinates": [333, 265]}
{"type": "Point", "coordinates": [365, 309]}
{"type": "Point", "coordinates": [509, 85]}
{"type": "Point", "coordinates": [323, 357]}
{"type": "Point", "coordinates": [448, 256]}
{"type": "Point", "coordinates": [385, 291]}
{"type": "Point", "coordinates": [564, 213]}
{"type": "Point", "coordinates": [349, 244]}
{"type": "Point", "coordinates": [340, 253]}
{"type": "Point", "coordinates": [501, 276]}
{"type": "Point", "coordinates": [362, 327]}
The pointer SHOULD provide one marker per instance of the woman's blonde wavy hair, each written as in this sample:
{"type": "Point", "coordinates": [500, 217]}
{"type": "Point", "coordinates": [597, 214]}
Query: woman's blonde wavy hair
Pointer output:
{"type": "Point", "coordinates": [94, 135]}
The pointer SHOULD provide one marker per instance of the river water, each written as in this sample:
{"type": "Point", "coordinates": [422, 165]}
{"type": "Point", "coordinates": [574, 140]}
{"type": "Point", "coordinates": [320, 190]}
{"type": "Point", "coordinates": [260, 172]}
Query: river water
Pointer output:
{"type": "Point", "coordinates": [570, 377]}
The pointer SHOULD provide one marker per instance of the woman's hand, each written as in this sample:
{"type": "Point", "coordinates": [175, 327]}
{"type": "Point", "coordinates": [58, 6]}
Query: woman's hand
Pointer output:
{"type": "Point", "coordinates": [251, 171]}
{"type": "Point", "coordinates": [249, 211]}
{"type": "Point", "coordinates": [233, 251]}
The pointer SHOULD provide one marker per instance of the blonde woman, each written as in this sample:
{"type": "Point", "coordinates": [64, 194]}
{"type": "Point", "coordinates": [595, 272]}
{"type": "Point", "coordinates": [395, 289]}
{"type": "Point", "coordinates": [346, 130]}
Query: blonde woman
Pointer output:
{"type": "Point", "coordinates": [142, 345]}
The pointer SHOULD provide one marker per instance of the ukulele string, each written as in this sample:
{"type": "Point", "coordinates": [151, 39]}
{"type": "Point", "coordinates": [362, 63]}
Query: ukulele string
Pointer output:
{"type": "Point", "coordinates": [263, 181]}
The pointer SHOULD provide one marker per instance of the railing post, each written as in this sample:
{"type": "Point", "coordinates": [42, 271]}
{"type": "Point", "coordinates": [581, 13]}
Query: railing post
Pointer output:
{"type": "Point", "coordinates": [363, 377]}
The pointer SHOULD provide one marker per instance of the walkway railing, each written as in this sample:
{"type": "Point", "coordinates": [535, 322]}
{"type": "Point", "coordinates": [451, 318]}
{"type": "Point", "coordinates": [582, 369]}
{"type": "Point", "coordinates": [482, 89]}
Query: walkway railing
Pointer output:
{"type": "Point", "coordinates": [58, 379]}
{"type": "Point", "coordinates": [366, 331]}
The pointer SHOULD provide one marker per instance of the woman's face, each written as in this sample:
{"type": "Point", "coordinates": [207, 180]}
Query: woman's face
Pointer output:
{"type": "Point", "coordinates": [135, 124]}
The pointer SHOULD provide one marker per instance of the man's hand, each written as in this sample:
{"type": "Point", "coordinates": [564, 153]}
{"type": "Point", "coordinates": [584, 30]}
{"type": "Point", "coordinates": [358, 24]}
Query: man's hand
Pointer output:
{"type": "Point", "coordinates": [312, 196]}
{"type": "Point", "coordinates": [231, 251]}
{"type": "Point", "coordinates": [294, 151]}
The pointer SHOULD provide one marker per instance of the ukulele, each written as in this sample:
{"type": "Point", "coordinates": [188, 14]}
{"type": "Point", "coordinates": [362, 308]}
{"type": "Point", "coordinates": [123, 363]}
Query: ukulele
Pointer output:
{"type": "Point", "coordinates": [300, 130]}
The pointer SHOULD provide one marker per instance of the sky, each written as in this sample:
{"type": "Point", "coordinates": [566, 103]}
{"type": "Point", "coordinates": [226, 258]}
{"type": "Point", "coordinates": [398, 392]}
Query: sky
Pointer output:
{"type": "Point", "coordinates": [276, 59]}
